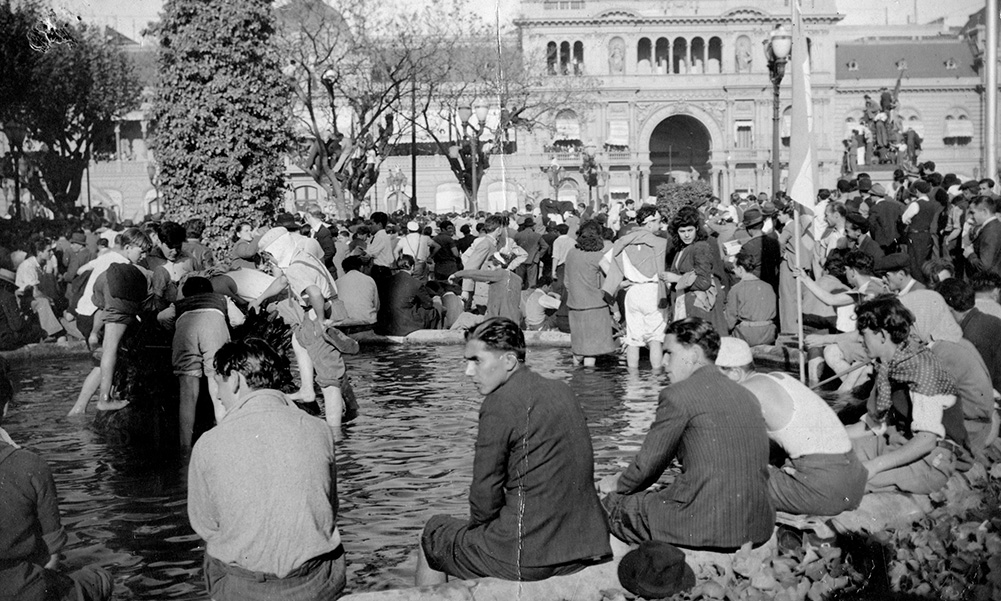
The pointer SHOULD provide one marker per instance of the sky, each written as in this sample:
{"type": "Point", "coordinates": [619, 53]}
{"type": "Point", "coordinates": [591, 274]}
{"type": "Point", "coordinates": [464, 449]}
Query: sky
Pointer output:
{"type": "Point", "coordinates": [131, 16]}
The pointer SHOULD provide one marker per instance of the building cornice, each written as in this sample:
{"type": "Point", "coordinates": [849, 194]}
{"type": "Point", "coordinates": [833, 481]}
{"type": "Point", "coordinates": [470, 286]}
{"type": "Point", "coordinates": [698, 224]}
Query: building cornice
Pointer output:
{"type": "Point", "coordinates": [626, 19]}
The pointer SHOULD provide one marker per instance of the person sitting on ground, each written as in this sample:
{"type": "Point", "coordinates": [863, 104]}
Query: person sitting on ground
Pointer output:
{"type": "Point", "coordinates": [714, 427]}
{"type": "Point", "coordinates": [538, 306]}
{"type": "Point", "coordinates": [503, 286]}
{"type": "Point", "coordinates": [983, 330]}
{"type": "Point", "coordinates": [822, 476]}
{"type": "Point", "coordinates": [15, 331]}
{"type": "Point", "coordinates": [524, 524]}
{"type": "Point", "coordinates": [750, 304]}
{"type": "Point", "coordinates": [410, 306]}
{"type": "Point", "coordinates": [262, 488]}
{"type": "Point", "coordinates": [912, 437]}
{"type": "Point", "coordinates": [359, 292]}
{"type": "Point", "coordinates": [308, 310]}
{"type": "Point", "coordinates": [31, 532]}
{"type": "Point", "coordinates": [201, 320]}
{"type": "Point", "coordinates": [29, 286]}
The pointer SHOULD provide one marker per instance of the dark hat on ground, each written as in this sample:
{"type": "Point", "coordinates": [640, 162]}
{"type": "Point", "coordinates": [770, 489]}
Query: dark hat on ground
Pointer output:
{"type": "Point", "coordinates": [753, 216]}
{"type": "Point", "coordinates": [655, 570]}
{"type": "Point", "coordinates": [287, 221]}
{"type": "Point", "coordinates": [768, 208]}
{"type": "Point", "coordinates": [78, 238]}
{"type": "Point", "coordinates": [894, 262]}
{"type": "Point", "coordinates": [877, 190]}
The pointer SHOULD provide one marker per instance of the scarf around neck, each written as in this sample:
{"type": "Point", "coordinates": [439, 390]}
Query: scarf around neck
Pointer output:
{"type": "Point", "coordinates": [912, 364]}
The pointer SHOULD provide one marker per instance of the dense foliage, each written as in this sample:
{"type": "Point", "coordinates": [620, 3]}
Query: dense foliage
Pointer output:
{"type": "Point", "coordinates": [671, 197]}
{"type": "Point", "coordinates": [222, 114]}
{"type": "Point", "coordinates": [59, 81]}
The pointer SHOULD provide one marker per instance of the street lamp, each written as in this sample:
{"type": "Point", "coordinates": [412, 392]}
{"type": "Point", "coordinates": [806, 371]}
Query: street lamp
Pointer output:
{"type": "Point", "coordinates": [777, 48]}
{"type": "Point", "coordinates": [465, 114]}
{"type": "Point", "coordinates": [16, 133]}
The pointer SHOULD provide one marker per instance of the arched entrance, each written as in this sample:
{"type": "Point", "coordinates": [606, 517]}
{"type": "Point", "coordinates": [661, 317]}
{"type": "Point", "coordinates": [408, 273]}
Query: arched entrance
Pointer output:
{"type": "Point", "coordinates": [680, 148]}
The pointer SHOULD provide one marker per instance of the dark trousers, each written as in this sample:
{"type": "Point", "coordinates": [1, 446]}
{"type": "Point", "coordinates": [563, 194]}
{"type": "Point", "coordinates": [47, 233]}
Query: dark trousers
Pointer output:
{"type": "Point", "coordinates": [319, 578]}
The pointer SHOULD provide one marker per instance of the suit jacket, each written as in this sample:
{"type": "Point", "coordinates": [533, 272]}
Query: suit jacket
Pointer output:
{"type": "Point", "coordinates": [408, 307]}
{"type": "Point", "coordinates": [714, 427]}
{"type": "Point", "coordinates": [532, 501]}
{"type": "Point", "coordinates": [769, 253]}
{"type": "Point", "coordinates": [871, 248]}
{"type": "Point", "coordinates": [986, 255]}
{"type": "Point", "coordinates": [883, 219]}
{"type": "Point", "coordinates": [984, 331]}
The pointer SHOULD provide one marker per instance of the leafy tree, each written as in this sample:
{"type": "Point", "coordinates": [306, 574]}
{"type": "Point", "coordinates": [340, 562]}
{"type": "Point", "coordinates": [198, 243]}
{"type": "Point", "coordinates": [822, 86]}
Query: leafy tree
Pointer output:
{"type": "Point", "coordinates": [221, 113]}
{"type": "Point", "coordinates": [59, 81]}
{"type": "Point", "coordinates": [354, 62]}
{"type": "Point", "coordinates": [673, 196]}
{"type": "Point", "coordinates": [482, 67]}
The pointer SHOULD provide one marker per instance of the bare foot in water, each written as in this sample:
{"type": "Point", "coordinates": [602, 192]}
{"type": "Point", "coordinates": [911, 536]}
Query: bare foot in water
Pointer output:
{"type": "Point", "coordinates": [111, 405]}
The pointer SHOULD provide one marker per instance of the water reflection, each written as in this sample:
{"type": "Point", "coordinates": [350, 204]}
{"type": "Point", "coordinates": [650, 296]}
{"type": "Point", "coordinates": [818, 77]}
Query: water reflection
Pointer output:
{"type": "Point", "coordinates": [407, 458]}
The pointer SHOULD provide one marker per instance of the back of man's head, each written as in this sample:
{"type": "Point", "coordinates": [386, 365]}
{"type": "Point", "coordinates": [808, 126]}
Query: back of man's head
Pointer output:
{"type": "Point", "coordinates": [886, 313]}
{"type": "Point", "coordinates": [958, 294]}
{"type": "Point", "coordinates": [499, 334]}
{"type": "Point", "coordinates": [196, 285]}
{"type": "Point", "coordinates": [985, 202]}
{"type": "Point", "coordinates": [253, 358]}
{"type": "Point", "coordinates": [492, 223]}
{"type": "Point", "coordinates": [194, 228]}
{"type": "Point", "coordinates": [694, 331]}
{"type": "Point", "coordinates": [380, 218]}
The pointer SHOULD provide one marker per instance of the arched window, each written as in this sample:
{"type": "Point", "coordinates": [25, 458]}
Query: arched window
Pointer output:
{"type": "Point", "coordinates": [552, 55]}
{"type": "Point", "coordinates": [578, 58]}
{"type": "Point", "coordinates": [680, 50]}
{"type": "Point", "coordinates": [662, 56]}
{"type": "Point", "coordinates": [698, 60]}
{"type": "Point", "coordinates": [567, 126]}
{"type": "Point", "coordinates": [958, 129]}
{"type": "Point", "coordinates": [564, 58]}
{"type": "Point", "coordinates": [715, 62]}
{"type": "Point", "coordinates": [643, 55]}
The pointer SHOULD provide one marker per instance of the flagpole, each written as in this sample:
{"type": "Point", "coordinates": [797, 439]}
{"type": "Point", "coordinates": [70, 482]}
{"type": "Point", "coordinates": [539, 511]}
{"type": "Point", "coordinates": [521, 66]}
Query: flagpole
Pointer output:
{"type": "Point", "coordinates": [797, 235]}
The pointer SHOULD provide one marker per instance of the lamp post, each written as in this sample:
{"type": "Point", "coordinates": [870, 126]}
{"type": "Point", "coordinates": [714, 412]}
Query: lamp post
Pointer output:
{"type": "Point", "coordinates": [777, 48]}
{"type": "Point", "coordinates": [465, 114]}
{"type": "Point", "coordinates": [16, 133]}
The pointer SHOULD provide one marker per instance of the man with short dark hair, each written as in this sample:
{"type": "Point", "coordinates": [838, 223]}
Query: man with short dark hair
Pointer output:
{"type": "Point", "coordinates": [857, 232]}
{"type": "Point", "coordinates": [714, 427]}
{"type": "Point", "coordinates": [201, 255]}
{"type": "Point", "coordinates": [262, 488]}
{"type": "Point", "coordinates": [913, 433]}
{"type": "Point", "coordinates": [983, 330]}
{"type": "Point", "coordinates": [983, 249]}
{"type": "Point", "coordinates": [987, 186]}
{"type": "Point", "coordinates": [533, 509]}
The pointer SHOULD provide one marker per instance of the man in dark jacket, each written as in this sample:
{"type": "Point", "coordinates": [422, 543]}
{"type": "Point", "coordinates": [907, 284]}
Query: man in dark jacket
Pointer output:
{"type": "Point", "coordinates": [323, 235]}
{"type": "Point", "coordinates": [534, 512]}
{"type": "Point", "coordinates": [409, 305]}
{"type": "Point", "coordinates": [714, 427]}
{"type": "Point", "coordinates": [884, 217]}
{"type": "Point", "coordinates": [983, 252]}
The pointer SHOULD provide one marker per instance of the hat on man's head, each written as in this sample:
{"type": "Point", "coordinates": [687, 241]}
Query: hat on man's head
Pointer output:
{"type": "Point", "coordinates": [894, 262]}
{"type": "Point", "coordinates": [78, 238]}
{"type": "Point", "coordinates": [970, 185]}
{"type": "Point", "coordinates": [733, 352]}
{"type": "Point", "coordinates": [7, 275]}
{"type": "Point", "coordinates": [527, 222]}
{"type": "Point", "coordinates": [655, 570]}
{"type": "Point", "coordinates": [753, 216]}
{"type": "Point", "coordinates": [768, 208]}
{"type": "Point", "coordinates": [954, 191]}
{"type": "Point", "coordinates": [413, 226]}
{"type": "Point", "coordinates": [877, 190]}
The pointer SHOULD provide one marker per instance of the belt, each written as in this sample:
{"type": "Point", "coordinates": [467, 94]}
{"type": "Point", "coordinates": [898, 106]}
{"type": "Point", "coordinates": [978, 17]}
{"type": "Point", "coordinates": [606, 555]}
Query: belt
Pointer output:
{"type": "Point", "coordinates": [756, 323]}
{"type": "Point", "coordinates": [918, 231]}
{"type": "Point", "coordinates": [303, 570]}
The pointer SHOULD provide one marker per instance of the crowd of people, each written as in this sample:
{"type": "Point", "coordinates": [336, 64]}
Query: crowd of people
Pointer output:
{"type": "Point", "coordinates": [898, 288]}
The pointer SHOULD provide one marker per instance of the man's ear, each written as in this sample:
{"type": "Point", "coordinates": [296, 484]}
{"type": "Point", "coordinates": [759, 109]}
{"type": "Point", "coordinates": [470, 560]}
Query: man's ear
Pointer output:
{"type": "Point", "coordinates": [510, 361]}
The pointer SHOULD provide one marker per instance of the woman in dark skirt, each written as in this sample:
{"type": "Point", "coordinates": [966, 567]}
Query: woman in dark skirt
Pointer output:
{"type": "Point", "coordinates": [590, 316]}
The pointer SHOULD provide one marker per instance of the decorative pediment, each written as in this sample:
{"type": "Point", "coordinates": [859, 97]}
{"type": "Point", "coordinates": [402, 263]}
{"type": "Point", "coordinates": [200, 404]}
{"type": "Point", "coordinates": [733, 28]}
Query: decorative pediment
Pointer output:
{"type": "Point", "coordinates": [746, 12]}
{"type": "Point", "coordinates": [618, 13]}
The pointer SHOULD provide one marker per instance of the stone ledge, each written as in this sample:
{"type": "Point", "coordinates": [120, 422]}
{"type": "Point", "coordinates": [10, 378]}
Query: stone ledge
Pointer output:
{"type": "Point", "coordinates": [443, 337]}
{"type": "Point", "coordinates": [45, 350]}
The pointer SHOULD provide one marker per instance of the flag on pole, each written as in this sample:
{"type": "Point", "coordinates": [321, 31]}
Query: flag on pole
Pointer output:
{"type": "Point", "coordinates": [802, 159]}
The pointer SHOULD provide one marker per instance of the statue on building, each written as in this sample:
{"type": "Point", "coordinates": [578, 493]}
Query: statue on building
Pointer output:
{"type": "Point", "coordinates": [616, 56]}
{"type": "Point", "coordinates": [744, 56]}
{"type": "Point", "coordinates": [880, 138]}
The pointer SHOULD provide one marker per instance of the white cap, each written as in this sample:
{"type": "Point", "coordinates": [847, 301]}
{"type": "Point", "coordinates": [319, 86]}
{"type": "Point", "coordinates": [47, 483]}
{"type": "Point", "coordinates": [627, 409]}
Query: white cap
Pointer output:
{"type": "Point", "coordinates": [413, 226]}
{"type": "Point", "coordinates": [733, 352]}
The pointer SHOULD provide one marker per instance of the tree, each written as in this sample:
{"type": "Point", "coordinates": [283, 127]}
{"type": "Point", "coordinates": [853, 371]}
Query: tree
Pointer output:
{"type": "Point", "coordinates": [221, 114]}
{"type": "Point", "coordinates": [484, 67]}
{"type": "Point", "coordinates": [60, 82]}
{"type": "Point", "coordinates": [354, 63]}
